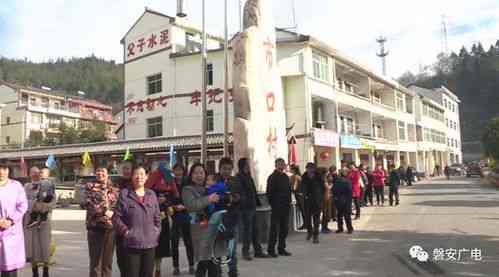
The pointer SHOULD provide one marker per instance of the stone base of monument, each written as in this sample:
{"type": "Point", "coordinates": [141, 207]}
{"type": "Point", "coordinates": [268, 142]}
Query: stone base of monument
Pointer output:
{"type": "Point", "coordinates": [263, 220]}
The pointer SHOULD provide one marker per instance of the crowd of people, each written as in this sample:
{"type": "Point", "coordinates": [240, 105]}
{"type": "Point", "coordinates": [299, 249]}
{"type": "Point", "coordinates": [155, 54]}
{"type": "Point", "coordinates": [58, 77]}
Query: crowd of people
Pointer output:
{"type": "Point", "coordinates": [143, 217]}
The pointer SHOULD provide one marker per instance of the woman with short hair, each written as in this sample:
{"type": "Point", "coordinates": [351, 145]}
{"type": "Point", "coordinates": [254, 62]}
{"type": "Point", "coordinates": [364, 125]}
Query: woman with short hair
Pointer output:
{"type": "Point", "coordinates": [138, 220]}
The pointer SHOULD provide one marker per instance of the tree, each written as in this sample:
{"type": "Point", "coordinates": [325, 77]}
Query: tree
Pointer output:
{"type": "Point", "coordinates": [407, 78]}
{"type": "Point", "coordinates": [35, 139]}
{"type": "Point", "coordinates": [490, 139]}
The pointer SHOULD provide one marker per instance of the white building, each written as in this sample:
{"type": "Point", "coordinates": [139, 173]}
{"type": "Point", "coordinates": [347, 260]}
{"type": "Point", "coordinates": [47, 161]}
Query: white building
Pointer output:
{"type": "Point", "coordinates": [340, 109]}
{"type": "Point", "coordinates": [28, 110]}
{"type": "Point", "coordinates": [448, 109]}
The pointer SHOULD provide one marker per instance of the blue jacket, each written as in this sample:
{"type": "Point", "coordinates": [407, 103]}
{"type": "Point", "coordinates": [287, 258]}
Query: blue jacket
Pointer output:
{"type": "Point", "coordinates": [139, 223]}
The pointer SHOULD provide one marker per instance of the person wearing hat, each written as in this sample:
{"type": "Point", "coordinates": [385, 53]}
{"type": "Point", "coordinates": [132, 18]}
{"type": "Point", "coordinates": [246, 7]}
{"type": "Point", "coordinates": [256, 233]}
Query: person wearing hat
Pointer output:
{"type": "Point", "coordinates": [13, 206]}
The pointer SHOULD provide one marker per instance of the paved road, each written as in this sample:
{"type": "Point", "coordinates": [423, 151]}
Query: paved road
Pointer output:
{"type": "Point", "coordinates": [459, 214]}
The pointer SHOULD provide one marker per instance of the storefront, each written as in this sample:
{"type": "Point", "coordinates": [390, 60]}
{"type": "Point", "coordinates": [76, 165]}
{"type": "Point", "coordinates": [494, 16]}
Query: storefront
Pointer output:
{"type": "Point", "coordinates": [350, 146]}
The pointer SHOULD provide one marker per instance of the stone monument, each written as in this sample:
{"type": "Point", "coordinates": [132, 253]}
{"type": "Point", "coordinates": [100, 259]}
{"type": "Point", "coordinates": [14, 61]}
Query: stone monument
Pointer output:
{"type": "Point", "coordinates": [260, 119]}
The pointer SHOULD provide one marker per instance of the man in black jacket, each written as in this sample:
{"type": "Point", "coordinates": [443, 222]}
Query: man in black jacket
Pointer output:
{"type": "Point", "coordinates": [279, 196]}
{"type": "Point", "coordinates": [313, 189]}
{"type": "Point", "coordinates": [394, 183]}
{"type": "Point", "coordinates": [249, 201]}
{"type": "Point", "coordinates": [342, 193]}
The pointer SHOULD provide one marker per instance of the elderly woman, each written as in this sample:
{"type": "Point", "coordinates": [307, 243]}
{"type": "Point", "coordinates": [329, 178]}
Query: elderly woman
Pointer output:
{"type": "Point", "coordinates": [38, 238]}
{"type": "Point", "coordinates": [13, 205]}
{"type": "Point", "coordinates": [101, 199]}
{"type": "Point", "coordinates": [196, 201]}
{"type": "Point", "coordinates": [138, 220]}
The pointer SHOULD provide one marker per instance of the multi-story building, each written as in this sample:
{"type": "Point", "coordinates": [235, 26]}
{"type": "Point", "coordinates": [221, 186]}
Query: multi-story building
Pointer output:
{"type": "Point", "coordinates": [339, 109]}
{"type": "Point", "coordinates": [1, 107]}
{"type": "Point", "coordinates": [448, 114]}
{"type": "Point", "coordinates": [28, 110]}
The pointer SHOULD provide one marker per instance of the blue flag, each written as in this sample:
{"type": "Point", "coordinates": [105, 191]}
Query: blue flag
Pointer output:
{"type": "Point", "coordinates": [50, 163]}
{"type": "Point", "coordinates": [173, 156]}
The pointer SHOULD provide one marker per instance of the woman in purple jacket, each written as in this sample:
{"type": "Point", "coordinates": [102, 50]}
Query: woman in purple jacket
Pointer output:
{"type": "Point", "coordinates": [13, 205]}
{"type": "Point", "coordinates": [137, 219]}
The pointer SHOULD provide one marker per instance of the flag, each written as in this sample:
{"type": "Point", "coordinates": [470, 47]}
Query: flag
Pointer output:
{"type": "Point", "coordinates": [86, 160]}
{"type": "Point", "coordinates": [128, 155]}
{"type": "Point", "coordinates": [24, 167]}
{"type": "Point", "coordinates": [173, 156]}
{"type": "Point", "coordinates": [50, 163]}
{"type": "Point", "coordinates": [293, 154]}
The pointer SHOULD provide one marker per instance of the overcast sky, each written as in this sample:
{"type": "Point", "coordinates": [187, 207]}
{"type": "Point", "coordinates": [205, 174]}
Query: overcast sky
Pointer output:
{"type": "Point", "coordinates": [40, 30]}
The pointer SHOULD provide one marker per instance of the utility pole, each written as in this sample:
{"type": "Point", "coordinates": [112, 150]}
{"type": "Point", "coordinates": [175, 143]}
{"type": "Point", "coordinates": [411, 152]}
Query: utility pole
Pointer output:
{"type": "Point", "coordinates": [204, 58]}
{"type": "Point", "coordinates": [445, 45]}
{"type": "Point", "coordinates": [226, 83]}
{"type": "Point", "coordinates": [382, 53]}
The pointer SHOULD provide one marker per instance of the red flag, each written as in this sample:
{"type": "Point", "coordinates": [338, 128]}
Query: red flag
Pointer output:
{"type": "Point", "coordinates": [293, 154]}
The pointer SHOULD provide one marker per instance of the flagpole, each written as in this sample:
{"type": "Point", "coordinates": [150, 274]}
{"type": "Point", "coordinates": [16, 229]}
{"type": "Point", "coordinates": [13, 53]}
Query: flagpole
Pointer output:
{"type": "Point", "coordinates": [226, 84]}
{"type": "Point", "coordinates": [203, 90]}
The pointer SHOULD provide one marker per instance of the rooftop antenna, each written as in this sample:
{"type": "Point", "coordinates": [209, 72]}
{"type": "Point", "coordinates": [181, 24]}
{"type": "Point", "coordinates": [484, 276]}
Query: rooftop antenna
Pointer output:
{"type": "Point", "coordinates": [294, 27]}
{"type": "Point", "coordinates": [445, 45]}
{"type": "Point", "coordinates": [382, 52]}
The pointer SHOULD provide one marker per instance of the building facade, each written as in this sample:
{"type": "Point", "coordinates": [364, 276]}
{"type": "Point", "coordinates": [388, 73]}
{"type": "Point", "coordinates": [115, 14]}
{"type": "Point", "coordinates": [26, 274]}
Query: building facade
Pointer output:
{"type": "Point", "coordinates": [336, 109]}
{"type": "Point", "coordinates": [31, 110]}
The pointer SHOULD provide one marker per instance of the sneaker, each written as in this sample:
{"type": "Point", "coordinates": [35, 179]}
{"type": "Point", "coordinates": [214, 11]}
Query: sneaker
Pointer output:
{"type": "Point", "coordinates": [303, 227]}
{"type": "Point", "coordinates": [284, 253]}
{"type": "Point", "coordinates": [273, 254]}
{"type": "Point", "coordinates": [176, 271]}
{"type": "Point", "coordinates": [350, 231]}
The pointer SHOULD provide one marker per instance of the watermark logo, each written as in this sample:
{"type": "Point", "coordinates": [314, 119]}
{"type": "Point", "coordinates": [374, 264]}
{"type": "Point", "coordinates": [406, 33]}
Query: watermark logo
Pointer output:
{"type": "Point", "coordinates": [445, 255]}
{"type": "Point", "coordinates": [417, 252]}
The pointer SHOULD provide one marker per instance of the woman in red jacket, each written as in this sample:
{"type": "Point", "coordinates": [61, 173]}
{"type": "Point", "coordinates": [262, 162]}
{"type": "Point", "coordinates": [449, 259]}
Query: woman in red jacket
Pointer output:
{"type": "Point", "coordinates": [379, 184]}
{"type": "Point", "coordinates": [355, 177]}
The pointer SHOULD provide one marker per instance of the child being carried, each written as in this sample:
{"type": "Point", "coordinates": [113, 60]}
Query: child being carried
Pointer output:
{"type": "Point", "coordinates": [45, 194]}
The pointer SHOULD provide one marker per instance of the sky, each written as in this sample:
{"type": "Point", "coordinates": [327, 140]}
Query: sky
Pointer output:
{"type": "Point", "coordinates": [43, 30]}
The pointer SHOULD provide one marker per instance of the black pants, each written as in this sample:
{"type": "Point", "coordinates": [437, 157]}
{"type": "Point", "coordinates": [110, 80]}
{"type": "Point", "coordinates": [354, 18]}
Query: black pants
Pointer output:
{"type": "Point", "coordinates": [279, 221]}
{"type": "Point", "coordinates": [140, 262]}
{"type": "Point", "coordinates": [312, 220]}
{"type": "Point", "coordinates": [409, 180]}
{"type": "Point", "coordinates": [12, 273]}
{"type": "Point", "coordinates": [121, 256]}
{"type": "Point", "coordinates": [380, 194]}
{"type": "Point", "coordinates": [207, 267]}
{"type": "Point", "coordinates": [101, 248]}
{"type": "Point", "coordinates": [250, 232]}
{"type": "Point", "coordinates": [345, 213]}
{"type": "Point", "coordinates": [356, 201]}
{"type": "Point", "coordinates": [182, 230]}
{"type": "Point", "coordinates": [368, 195]}
{"type": "Point", "coordinates": [394, 191]}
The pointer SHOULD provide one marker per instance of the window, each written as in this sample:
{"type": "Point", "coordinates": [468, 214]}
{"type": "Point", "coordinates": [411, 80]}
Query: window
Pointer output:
{"type": "Point", "coordinates": [402, 135]}
{"type": "Point", "coordinates": [45, 102]}
{"type": "Point", "coordinates": [54, 121]}
{"type": "Point", "coordinates": [419, 133]}
{"type": "Point", "coordinates": [24, 99]}
{"type": "Point", "coordinates": [210, 121]}
{"type": "Point", "coordinates": [155, 127]}
{"type": "Point", "coordinates": [57, 105]}
{"type": "Point", "coordinates": [378, 131]}
{"type": "Point", "coordinates": [445, 103]}
{"type": "Point", "coordinates": [447, 123]}
{"type": "Point", "coordinates": [347, 125]}
{"type": "Point", "coordinates": [7, 139]}
{"type": "Point", "coordinates": [154, 84]}
{"type": "Point", "coordinates": [32, 101]}
{"type": "Point", "coordinates": [400, 102]}
{"type": "Point", "coordinates": [321, 66]}
{"type": "Point", "coordinates": [7, 120]}
{"type": "Point", "coordinates": [377, 98]}
{"type": "Point", "coordinates": [209, 74]}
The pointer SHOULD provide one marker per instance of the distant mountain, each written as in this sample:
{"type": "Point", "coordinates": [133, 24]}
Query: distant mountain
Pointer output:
{"type": "Point", "coordinates": [473, 75]}
{"type": "Point", "coordinates": [100, 79]}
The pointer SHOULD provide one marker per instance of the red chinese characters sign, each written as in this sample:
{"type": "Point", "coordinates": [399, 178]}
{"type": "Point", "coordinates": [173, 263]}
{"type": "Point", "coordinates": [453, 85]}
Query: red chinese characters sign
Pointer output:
{"type": "Point", "coordinates": [214, 96]}
{"type": "Point", "coordinates": [147, 44]}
